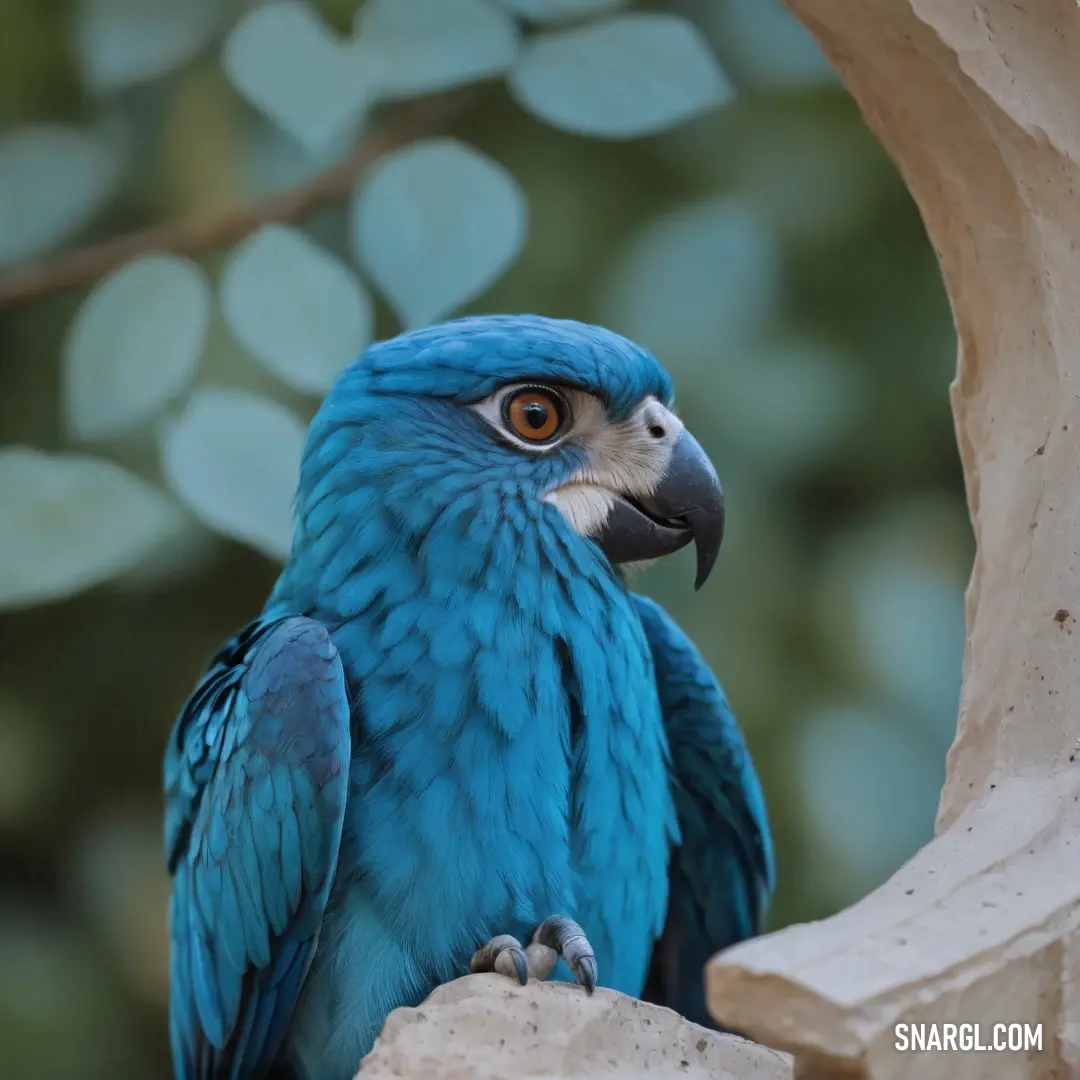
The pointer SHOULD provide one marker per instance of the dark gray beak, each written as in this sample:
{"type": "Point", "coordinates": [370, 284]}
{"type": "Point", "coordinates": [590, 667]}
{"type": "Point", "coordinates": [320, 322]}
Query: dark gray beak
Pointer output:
{"type": "Point", "coordinates": [688, 505]}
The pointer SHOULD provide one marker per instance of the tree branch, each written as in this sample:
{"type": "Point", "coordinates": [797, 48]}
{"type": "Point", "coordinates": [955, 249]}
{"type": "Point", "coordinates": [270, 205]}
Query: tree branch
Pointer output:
{"type": "Point", "coordinates": [194, 237]}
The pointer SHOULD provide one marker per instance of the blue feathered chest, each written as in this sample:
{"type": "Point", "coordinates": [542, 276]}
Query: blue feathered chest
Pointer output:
{"type": "Point", "coordinates": [509, 755]}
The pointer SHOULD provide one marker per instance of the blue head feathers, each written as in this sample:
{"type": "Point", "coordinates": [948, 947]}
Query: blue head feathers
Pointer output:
{"type": "Point", "coordinates": [466, 359]}
{"type": "Point", "coordinates": [490, 419]}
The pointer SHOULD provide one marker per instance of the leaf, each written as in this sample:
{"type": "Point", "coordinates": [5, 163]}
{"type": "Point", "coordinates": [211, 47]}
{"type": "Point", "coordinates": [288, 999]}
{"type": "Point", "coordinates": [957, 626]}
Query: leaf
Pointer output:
{"type": "Point", "coordinates": [908, 623]}
{"type": "Point", "coordinates": [549, 11]}
{"type": "Point", "coordinates": [124, 42]}
{"type": "Point", "coordinates": [868, 786]}
{"type": "Point", "coordinates": [789, 403]}
{"type": "Point", "coordinates": [71, 521]}
{"type": "Point", "coordinates": [697, 282]}
{"type": "Point", "coordinates": [134, 344]}
{"type": "Point", "coordinates": [270, 161]}
{"type": "Point", "coordinates": [625, 77]}
{"type": "Point", "coordinates": [892, 606]}
{"type": "Point", "coordinates": [53, 181]}
{"type": "Point", "coordinates": [768, 45]}
{"type": "Point", "coordinates": [435, 224]}
{"type": "Point", "coordinates": [296, 308]}
{"type": "Point", "coordinates": [288, 63]}
{"type": "Point", "coordinates": [417, 47]}
{"type": "Point", "coordinates": [234, 459]}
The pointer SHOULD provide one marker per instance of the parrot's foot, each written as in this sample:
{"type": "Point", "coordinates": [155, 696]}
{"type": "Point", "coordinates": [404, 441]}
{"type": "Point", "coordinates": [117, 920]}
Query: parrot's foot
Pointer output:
{"type": "Point", "coordinates": [554, 937]}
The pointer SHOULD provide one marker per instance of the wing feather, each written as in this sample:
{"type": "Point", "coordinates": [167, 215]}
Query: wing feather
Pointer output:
{"type": "Point", "coordinates": [722, 874]}
{"type": "Point", "coordinates": [256, 776]}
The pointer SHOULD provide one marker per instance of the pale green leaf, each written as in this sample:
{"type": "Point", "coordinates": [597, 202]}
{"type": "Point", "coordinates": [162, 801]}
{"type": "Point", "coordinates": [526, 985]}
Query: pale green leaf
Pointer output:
{"type": "Point", "coordinates": [134, 344]}
{"type": "Point", "coordinates": [550, 11]}
{"type": "Point", "coordinates": [695, 284]}
{"type": "Point", "coordinates": [295, 307]}
{"type": "Point", "coordinates": [234, 459]}
{"type": "Point", "coordinates": [290, 65]}
{"type": "Point", "coordinates": [909, 633]}
{"type": "Point", "coordinates": [768, 45]}
{"type": "Point", "coordinates": [271, 161]}
{"type": "Point", "coordinates": [625, 77]}
{"type": "Point", "coordinates": [892, 606]}
{"type": "Point", "coordinates": [124, 42]}
{"type": "Point", "coordinates": [789, 403]}
{"type": "Point", "coordinates": [869, 785]}
{"type": "Point", "coordinates": [53, 181]}
{"type": "Point", "coordinates": [72, 521]}
{"type": "Point", "coordinates": [416, 47]}
{"type": "Point", "coordinates": [435, 224]}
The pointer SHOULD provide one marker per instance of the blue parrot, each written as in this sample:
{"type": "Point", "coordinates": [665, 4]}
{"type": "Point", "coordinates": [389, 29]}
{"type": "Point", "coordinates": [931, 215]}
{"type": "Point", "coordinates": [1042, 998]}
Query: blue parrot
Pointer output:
{"type": "Point", "coordinates": [454, 740]}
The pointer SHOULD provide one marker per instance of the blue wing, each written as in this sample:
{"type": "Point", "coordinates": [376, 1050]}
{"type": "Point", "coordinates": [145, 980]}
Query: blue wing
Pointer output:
{"type": "Point", "coordinates": [256, 775]}
{"type": "Point", "coordinates": [721, 875]}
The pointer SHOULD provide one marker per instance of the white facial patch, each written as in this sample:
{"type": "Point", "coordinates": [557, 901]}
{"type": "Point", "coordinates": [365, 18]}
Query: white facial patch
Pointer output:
{"type": "Point", "coordinates": [584, 506]}
{"type": "Point", "coordinates": [627, 458]}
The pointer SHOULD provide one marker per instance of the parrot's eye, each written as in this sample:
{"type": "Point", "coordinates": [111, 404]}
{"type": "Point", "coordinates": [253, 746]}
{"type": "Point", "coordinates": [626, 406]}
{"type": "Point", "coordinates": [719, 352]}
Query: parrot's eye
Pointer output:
{"type": "Point", "coordinates": [536, 413]}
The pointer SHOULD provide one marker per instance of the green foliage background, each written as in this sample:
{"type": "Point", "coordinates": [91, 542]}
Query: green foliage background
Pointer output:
{"type": "Point", "coordinates": [766, 250]}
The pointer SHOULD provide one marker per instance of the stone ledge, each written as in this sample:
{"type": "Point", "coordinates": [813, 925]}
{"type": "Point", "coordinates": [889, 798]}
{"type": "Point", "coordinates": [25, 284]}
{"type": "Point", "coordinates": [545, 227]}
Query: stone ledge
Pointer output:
{"type": "Point", "coordinates": [485, 1027]}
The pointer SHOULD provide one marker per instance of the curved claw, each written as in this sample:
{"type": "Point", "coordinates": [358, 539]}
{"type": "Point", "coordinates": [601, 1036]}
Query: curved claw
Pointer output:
{"type": "Point", "coordinates": [585, 973]}
{"type": "Point", "coordinates": [504, 955]}
{"type": "Point", "coordinates": [512, 962]}
{"type": "Point", "coordinates": [568, 940]}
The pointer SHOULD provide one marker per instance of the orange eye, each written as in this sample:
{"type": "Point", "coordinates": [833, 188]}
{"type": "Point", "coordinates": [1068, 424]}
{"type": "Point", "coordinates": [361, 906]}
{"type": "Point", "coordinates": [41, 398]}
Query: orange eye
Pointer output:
{"type": "Point", "coordinates": [536, 415]}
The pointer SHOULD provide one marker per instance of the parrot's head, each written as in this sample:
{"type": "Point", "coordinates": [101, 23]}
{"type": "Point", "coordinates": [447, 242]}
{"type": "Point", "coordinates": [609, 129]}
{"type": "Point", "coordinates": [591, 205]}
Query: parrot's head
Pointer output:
{"type": "Point", "coordinates": [521, 419]}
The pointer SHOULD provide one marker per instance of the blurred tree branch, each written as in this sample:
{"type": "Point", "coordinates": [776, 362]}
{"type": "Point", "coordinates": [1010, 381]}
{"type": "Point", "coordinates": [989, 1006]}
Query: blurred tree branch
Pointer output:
{"type": "Point", "coordinates": [195, 236]}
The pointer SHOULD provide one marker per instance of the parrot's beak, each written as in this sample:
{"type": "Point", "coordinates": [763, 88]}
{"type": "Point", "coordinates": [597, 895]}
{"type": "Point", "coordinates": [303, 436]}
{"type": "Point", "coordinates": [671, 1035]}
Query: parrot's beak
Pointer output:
{"type": "Point", "coordinates": [688, 505]}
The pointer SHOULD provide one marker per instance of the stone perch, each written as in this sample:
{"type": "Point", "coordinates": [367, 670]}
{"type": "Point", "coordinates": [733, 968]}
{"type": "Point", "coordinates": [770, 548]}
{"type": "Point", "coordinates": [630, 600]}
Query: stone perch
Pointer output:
{"type": "Point", "coordinates": [487, 1027]}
